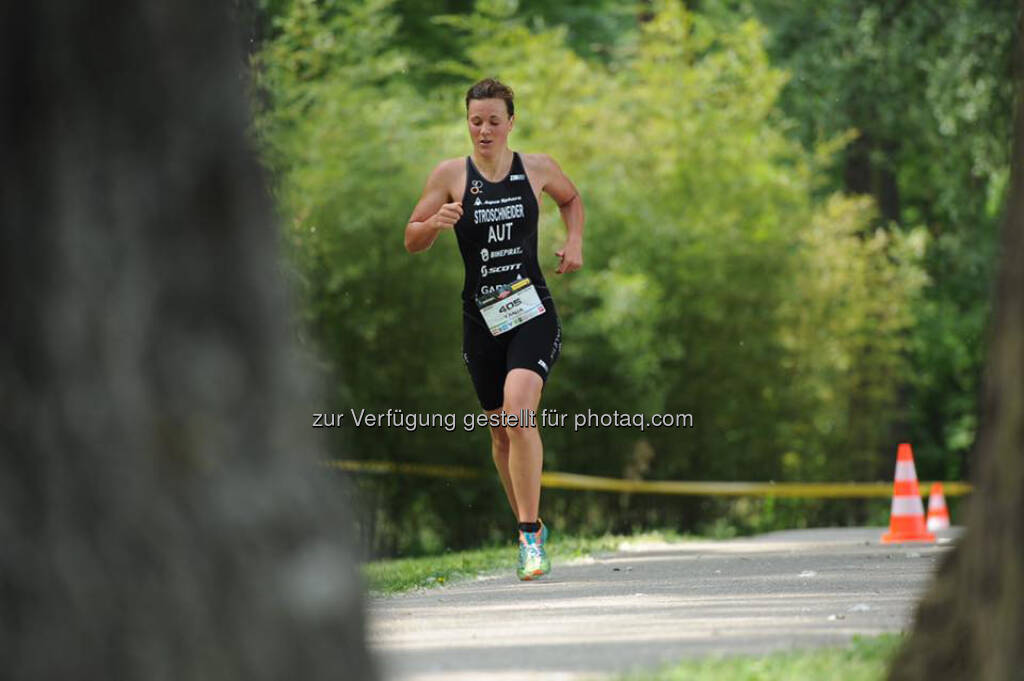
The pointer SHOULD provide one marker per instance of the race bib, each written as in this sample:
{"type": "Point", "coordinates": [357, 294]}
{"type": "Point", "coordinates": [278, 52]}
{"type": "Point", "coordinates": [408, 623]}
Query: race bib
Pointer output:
{"type": "Point", "coordinates": [509, 306]}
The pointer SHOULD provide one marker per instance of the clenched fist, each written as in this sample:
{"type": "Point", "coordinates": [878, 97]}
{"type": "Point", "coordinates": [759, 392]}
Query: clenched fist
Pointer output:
{"type": "Point", "coordinates": [447, 216]}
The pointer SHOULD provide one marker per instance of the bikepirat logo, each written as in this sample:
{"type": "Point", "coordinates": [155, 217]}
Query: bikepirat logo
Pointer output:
{"type": "Point", "coordinates": [502, 252]}
{"type": "Point", "coordinates": [476, 187]}
{"type": "Point", "coordinates": [485, 255]}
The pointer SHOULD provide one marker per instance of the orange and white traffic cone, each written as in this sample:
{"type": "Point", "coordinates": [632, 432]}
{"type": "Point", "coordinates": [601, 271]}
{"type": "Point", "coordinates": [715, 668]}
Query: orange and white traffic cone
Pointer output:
{"type": "Point", "coordinates": [906, 522]}
{"type": "Point", "coordinates": [938, 514]}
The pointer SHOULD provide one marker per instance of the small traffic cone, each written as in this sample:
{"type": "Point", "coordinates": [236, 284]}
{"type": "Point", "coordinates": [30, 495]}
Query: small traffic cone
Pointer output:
{"type": "Point", "coordinates": [906, 521]}
{"type": "Point", "coordinates": [938, 514]}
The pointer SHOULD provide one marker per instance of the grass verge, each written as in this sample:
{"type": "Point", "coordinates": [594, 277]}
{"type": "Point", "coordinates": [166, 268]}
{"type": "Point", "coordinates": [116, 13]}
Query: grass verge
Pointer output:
{"type": "Point", "coordinates": [865, 659]}
{"type": "Point", "coordinates": [394, 576]}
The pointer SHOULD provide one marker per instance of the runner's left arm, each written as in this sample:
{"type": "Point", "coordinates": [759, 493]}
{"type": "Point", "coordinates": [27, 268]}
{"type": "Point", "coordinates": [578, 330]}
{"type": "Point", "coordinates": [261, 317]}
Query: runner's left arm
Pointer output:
{"type": "Point", "coordinates": [570, 205]}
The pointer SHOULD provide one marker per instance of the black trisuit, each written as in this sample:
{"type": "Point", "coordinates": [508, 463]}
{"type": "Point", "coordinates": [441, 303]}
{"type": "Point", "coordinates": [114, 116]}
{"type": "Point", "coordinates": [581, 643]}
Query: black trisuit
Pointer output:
{"type": "Point", "coordinates": [497, 236]}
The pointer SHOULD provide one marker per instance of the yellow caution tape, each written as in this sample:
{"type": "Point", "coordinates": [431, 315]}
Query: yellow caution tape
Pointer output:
{"type": "Point", "coordinates": [428, 470]}
{"type": "Point", "coordinates": [554, 480]}
{"type": "Point", "coordinates": [823, 490]}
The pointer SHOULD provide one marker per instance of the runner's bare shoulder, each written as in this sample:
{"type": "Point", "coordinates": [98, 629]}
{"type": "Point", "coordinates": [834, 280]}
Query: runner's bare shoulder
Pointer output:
{"type": "Point", "coordinates": [449, 175]}
{"type": "Point", "coordinates": [539, 164]}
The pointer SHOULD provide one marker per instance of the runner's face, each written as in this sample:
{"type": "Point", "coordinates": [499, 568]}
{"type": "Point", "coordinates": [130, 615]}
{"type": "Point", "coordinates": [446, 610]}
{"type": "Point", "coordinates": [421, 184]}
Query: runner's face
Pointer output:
{"type": "Point", "coordinates": [489, 125]}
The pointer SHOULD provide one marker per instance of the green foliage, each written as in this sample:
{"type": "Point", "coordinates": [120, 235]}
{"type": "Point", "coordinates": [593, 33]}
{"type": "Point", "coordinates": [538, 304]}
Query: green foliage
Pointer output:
{"type": "Point", "coordinates": [865, 659]}
{"type": "Point", "coordinates": [847, 338]}
{"type": "Point", "coordinates": [751, 515]}
{"type": "Point", "coordinates": [348, 143]}
{"type": "Point", "coordinates": [725, 277]}
{"type": "Point", "coordinates": [929, 94]}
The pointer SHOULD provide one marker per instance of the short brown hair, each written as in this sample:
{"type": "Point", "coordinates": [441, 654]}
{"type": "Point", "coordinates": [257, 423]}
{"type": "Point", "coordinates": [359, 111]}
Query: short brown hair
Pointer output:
{"type": "Point", "coordinates": [492, 88]}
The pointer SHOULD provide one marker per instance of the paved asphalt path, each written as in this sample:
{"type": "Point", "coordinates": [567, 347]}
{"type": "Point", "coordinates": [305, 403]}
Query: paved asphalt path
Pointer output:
{"type": "Point", "coordinates": [652, 604]}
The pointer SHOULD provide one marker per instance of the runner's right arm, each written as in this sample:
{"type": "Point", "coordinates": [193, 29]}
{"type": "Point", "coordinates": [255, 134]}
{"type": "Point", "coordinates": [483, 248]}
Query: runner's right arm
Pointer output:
{"type": "Point", "coordinates": [432, 213]}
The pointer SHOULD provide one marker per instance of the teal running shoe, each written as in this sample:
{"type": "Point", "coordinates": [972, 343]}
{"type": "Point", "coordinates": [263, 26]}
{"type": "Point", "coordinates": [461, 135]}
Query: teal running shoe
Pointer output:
{"type": "Point", "coordinates": [533, 560]}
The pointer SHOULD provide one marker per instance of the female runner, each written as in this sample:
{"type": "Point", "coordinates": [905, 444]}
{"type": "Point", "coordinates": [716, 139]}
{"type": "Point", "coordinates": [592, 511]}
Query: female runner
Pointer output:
{"type": "Point", "coordinates": [511, 332]}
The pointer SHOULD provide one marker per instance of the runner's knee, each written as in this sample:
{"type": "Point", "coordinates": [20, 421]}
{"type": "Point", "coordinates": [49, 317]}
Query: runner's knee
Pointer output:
{"type": "Point", "coordinates": [522, 391]}
{"type": "Point", "coordinates": [499, 441]}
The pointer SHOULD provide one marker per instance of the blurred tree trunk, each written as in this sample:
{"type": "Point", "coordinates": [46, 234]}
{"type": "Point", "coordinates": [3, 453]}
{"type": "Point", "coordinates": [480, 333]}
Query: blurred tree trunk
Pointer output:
{"type": "Point", "coordinates": [162, 513]}
{"type": "Point", "coordinates": [861, 175]}
{"type": "Point", "coordinates": [970, 625]}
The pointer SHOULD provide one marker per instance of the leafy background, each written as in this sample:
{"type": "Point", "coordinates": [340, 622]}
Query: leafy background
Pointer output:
{"type": "Point", "coordinates": [791, 221]}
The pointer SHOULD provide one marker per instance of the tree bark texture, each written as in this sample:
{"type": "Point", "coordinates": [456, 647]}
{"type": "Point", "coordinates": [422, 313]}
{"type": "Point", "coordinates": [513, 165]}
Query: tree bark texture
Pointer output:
{"type": "Point", "coordinates": [970, 624]}
{"type": "Point", "coordinates": [162, 511]}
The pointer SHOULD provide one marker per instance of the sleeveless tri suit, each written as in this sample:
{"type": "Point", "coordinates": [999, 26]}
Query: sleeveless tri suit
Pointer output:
{"type": "Point", "coordinates": [497, 237]}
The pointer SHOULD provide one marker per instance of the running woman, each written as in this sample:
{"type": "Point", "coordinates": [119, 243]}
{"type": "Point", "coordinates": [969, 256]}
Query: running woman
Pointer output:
{"type": "Point", "coordinates": [511, 333]}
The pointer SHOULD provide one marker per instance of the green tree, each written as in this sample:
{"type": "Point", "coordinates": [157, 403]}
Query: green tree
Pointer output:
{"type": "Point", "coordinates": [928, 92]}
{"type": "Point", "coordinates": [704, 292]}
